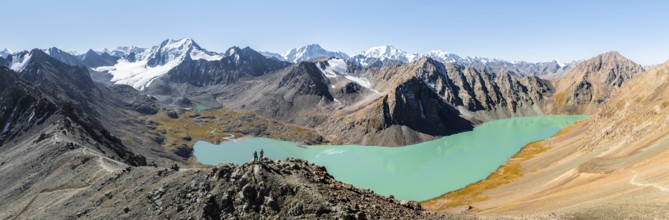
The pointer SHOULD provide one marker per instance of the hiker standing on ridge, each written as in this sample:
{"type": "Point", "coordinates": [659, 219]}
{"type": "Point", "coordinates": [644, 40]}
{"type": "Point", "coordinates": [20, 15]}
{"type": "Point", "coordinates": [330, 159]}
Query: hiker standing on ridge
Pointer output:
{"type": "Point", "coordinates": [255, 155]}
{"type": "Point", "coordinates": [262, 157]}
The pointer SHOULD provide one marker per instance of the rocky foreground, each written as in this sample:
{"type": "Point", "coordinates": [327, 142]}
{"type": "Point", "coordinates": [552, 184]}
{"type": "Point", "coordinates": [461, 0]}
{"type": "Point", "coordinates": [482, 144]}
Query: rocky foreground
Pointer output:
{"type": "Point", "coordinates": [255, 190]}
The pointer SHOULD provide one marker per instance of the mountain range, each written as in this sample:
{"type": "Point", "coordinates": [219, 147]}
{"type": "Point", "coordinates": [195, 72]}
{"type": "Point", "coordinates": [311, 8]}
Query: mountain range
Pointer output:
{"type": "Point", "coordinates": [370, 93]}
{"type": "Point", "coordinates": [84, 134]}
{"type": "Point", "coordinates": [131, 59]}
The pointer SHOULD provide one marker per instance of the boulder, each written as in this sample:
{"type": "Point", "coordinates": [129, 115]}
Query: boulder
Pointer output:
{"type": "Point", "coordinates": [183, 151]}
{"type": "Point", "coordinates": [172, 114]}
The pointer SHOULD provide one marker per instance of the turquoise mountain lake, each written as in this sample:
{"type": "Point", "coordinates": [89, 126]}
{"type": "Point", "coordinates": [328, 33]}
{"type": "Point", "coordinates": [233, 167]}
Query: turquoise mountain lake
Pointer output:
{"type": "Point", "coordinates": [414, 172]}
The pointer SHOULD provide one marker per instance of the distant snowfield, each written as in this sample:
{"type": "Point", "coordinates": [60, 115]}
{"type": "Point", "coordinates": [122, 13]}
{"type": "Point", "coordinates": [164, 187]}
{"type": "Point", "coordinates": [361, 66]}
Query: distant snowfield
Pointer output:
{"type": "Point", "coordinates": [137, 74]}
{"type": "Point", "coordinates": [140, 75]}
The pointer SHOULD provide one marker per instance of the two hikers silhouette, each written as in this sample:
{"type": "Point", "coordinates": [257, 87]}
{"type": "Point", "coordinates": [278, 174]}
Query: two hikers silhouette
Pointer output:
{"type": "Point", "coordinates": [255, 155]}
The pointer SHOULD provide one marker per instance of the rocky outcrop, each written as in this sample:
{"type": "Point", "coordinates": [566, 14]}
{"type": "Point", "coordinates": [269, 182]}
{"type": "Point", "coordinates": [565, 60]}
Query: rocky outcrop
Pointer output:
{"type": "Point", "coordinates": [416, 106]}
{"type": "Point", "coordinates": [479, 90]}
{"type": "Point", "coordinates": [477, 94]}
{"type": "Point", "coordinates": [133, 99]}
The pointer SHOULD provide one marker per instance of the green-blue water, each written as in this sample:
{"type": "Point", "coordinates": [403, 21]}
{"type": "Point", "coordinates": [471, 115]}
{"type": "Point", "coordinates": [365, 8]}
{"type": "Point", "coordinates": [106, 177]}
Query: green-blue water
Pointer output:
{"type": "Point", "coordinates": [200, 107]}
{"type": "Point", "coordinates": [414, 172]}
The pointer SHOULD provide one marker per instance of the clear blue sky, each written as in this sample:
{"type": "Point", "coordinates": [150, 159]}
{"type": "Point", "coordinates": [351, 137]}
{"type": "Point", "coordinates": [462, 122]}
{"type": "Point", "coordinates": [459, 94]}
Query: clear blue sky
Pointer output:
{"type": "Point", "coordinates": [529, 30]}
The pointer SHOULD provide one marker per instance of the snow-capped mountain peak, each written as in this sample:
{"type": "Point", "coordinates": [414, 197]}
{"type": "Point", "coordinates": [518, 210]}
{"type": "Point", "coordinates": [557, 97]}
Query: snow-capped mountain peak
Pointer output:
{"type": "Point", "coordinates": [232, 51]}
{"type": "Point", "coordinates": [559, 63]}
{"type": "Point", "coordinates": [140, 70]}
{"type": "Point", "coordinates": [444, 56]}
{"type": "Point", "coordinates": [389, 52]}
{"type": "Point", "coordinates": [5, 52]}
{"type": "Point", "coordinates": [170, 50]}
{"type": "Point", "coordinates": [309, 52]}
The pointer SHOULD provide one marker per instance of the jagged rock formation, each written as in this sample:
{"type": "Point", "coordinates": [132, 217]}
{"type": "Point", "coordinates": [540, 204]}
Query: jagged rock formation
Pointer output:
{"type": "Point", "coordinates": [591, 82]}
{"type": "Point", "coordinates": [498, 94]}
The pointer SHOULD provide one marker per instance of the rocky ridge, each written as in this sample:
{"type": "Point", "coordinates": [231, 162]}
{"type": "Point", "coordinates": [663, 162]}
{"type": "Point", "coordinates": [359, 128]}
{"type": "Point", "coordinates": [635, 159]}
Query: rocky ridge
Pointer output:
{"type": "Point", "coordinates": [255, 190]}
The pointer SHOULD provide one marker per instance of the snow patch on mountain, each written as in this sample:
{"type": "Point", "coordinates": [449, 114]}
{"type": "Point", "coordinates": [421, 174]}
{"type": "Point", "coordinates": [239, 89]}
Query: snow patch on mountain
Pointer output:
{"type": "Point", "coordinates": [335, 67]}
{"type": "Point", "coordinates": [364, 82]}
{"type": "Point", "coordinates": [19, 61]}
{"type": "Point", "coordinates": [203, 55]}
